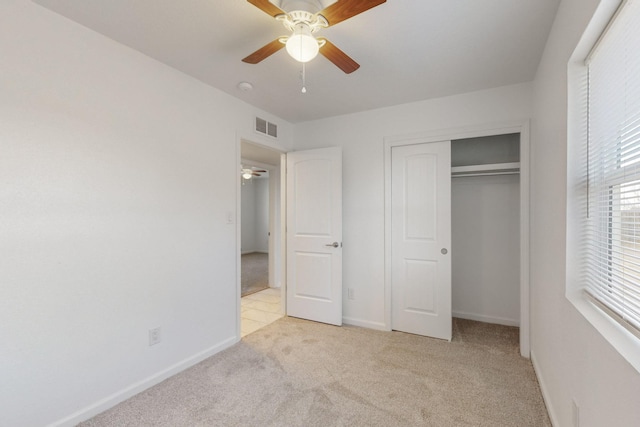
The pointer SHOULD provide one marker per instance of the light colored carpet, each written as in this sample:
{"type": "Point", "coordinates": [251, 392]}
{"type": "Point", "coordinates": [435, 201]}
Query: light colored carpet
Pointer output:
{"type": "Point", "coordinates": [255, 273]}
{"type": "Point", "coordinates": [300, 373]}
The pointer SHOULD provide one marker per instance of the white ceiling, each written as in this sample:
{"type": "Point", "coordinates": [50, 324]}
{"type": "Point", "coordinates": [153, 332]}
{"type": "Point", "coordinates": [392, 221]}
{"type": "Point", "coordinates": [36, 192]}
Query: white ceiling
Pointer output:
{"type": "Point", "coordinates": [409, 50]}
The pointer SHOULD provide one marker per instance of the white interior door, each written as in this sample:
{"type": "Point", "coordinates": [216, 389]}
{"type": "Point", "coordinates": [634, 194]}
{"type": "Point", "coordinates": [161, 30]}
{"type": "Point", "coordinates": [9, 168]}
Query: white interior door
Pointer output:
{"type": "Point", "coordinates": [421, 239]}
{"type": "Point", "coordinates": [314, 235]}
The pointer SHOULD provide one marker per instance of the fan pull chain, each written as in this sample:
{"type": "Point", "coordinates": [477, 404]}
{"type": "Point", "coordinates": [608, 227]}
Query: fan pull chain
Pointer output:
{"type": "Point", "coordinates": [304, 78]}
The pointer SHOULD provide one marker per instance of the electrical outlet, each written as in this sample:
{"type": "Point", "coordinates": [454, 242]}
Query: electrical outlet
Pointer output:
{"type": "Point", "coordinates": [351, 293]}
{"type": "Point", "coordinates": [154, 336]}
{"type": "Point", "coordinates": [576, 413]}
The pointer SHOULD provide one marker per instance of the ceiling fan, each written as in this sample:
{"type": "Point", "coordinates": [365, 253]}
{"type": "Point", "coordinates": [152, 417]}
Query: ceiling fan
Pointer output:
{"type": "Point", "coordinates": [250, 172]}
{"type": "Point", "coordinates": [302, 23]}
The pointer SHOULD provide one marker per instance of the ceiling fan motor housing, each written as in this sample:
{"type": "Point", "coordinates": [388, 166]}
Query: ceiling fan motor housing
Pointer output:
{"type": "Point", "coordinates": [296, 17]}
{"type": "Point", "coordinates": [312, 6]}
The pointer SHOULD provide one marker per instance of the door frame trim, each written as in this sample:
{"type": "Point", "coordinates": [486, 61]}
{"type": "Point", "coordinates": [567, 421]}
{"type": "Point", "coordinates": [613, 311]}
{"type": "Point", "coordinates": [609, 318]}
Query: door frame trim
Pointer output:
{"type": "Point", "coordinates": [523, 128]}
{"type": "Point", "coordinates": [255, 139]}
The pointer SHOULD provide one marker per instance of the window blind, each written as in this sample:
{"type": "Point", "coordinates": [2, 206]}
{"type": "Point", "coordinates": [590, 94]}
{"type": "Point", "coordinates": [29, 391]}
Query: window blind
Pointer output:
{"type": "Point", "coordinates": [611, 244]}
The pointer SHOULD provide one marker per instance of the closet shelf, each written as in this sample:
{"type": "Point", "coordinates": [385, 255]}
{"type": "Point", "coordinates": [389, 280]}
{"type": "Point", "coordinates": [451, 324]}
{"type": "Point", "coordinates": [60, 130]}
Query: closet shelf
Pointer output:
{"type": "Point", "coordinates": [490, 169]}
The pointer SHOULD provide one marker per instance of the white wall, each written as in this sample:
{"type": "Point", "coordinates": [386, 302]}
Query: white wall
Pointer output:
{"type": "Point", "coordinates": [485, 248]}
{"type": "Point", "coordinates": [361, 137]}
{"type": "Point", "coordinates": [276, 276]}
{"type": "Point", "coordinates": [262, 215]}
{"type": "Point", "coordinates": [255, 216]}
{"type": "Point", "coordinates": [117, 175]}
{"type": "Point", "coordinates": [573, 361]}
{"type": "Point", "coordinates": [248, 215]}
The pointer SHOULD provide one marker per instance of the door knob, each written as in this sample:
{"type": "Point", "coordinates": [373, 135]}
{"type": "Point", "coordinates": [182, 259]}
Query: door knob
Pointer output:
{"type": "Point", "coordinates": [443, 251]}
{"type": "Point", "coordinates": [334, 244]}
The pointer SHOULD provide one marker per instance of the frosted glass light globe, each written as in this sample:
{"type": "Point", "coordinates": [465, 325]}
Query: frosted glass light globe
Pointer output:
{"type": "Point", "coordinates": [301, 45]}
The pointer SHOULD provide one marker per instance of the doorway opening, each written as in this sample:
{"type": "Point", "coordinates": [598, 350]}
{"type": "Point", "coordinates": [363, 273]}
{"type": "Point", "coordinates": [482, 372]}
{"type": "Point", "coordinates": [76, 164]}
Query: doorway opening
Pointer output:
{"type": "Point", "coordinates": [260, 237]}
{"type": "Point", "coordinates": [485, 229]}
{"type": "Point", "coordinates": [255, 232]}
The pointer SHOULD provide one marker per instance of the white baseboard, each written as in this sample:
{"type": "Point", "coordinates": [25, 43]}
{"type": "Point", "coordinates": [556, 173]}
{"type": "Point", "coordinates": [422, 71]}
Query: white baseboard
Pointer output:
{"type": "Point", "coordinates": [135, 388]}
{"type": "Point", "coordinates": [253, 252]}
{"type": "Point", "coordinates": [364, 323]}
{"type": "Point", "coordinates": [486, 319]}
{"type": "Point", "coordinates": [545, 392]}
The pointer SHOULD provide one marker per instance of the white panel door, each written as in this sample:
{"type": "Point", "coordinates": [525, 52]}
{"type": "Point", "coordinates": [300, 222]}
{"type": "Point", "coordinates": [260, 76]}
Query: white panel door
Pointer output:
{"type": "Point", "coordinates": [314, 235]}
{"type": "Point", "coordinates": [421, 239]}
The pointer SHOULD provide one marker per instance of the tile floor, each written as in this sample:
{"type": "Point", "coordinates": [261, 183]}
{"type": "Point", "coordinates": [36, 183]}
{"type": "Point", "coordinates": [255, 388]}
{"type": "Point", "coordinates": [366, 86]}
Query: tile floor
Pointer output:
{"type": "Point", "coordinates": [259, 310]}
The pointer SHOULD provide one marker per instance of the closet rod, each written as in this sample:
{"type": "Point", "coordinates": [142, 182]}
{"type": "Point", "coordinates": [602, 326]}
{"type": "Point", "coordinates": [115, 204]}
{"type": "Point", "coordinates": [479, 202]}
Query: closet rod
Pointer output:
{"type": "Point", "coordinates": [461, 175]}
{"type": "Point", "coordinates": [493, 167]}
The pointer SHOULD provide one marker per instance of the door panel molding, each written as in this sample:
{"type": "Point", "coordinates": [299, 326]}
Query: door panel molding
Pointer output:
{"type": "Point", "coordinates": [314, 224]}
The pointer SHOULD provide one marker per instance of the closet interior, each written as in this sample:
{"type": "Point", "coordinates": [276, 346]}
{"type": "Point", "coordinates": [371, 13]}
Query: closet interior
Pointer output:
{"type": "Point", "coordinates": [485, 228]}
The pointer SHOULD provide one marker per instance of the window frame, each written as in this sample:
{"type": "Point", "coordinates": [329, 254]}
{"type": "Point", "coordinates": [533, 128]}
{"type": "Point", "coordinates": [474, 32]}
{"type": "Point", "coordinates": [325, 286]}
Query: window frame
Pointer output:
{"type": "Point", "coordinates": [621, 338]}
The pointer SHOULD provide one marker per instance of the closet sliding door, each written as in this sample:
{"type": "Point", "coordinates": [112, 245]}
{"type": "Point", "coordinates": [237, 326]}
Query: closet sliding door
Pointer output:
{"type": "Point", "coordinates": [421, 239]}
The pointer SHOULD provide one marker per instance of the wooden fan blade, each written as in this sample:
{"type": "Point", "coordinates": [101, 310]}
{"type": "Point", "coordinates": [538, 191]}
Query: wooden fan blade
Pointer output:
{"type": "Point", "coordinates": [259, 170]}
{"type": "Point", "coordinates": [264, 52]}
{"type": "Point", "coordinates": [267, 7]}
{"type": "Point", "coordinates": [338, 57]}
{"type": "Point", "coordinates": [345, 9]}
{"type": "Point", "coordinates": [255, 174]}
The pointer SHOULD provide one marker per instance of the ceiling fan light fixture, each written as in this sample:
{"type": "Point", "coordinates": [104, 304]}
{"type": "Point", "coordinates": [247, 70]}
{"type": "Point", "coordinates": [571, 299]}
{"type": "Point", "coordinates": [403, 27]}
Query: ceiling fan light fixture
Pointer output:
{"type": "Point", "coordinates": [301, 45]}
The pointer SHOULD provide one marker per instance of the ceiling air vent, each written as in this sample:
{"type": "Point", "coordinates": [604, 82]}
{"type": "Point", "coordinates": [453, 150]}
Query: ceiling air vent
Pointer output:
{"type": "Point", "coordinates": [266, 128]}
{"type": "Point", "coordinates": [272, 130]}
